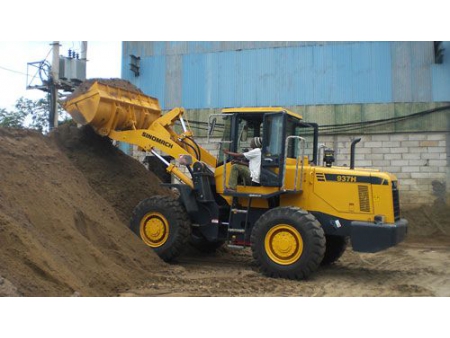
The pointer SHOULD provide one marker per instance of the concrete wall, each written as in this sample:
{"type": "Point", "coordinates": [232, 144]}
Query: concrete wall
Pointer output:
{"type": "Point", "coordinates": [357, 118]}
{"type": "Point", "coordinates": [421, 161]}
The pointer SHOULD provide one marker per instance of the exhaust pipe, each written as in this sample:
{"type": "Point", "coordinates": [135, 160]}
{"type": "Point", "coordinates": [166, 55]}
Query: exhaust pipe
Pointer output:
{"type": "Point", "coordinates": [352, 153]}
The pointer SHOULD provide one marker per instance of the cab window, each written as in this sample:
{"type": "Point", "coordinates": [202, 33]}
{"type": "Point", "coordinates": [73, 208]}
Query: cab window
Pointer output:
{"type": "Point", "coordinates": [298, 128]}
{"type": "Point", "coordinates": [248, 126]}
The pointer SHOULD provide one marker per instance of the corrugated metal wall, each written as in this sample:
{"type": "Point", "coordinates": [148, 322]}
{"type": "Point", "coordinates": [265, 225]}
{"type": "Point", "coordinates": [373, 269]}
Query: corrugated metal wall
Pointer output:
{"type": "Point", "coordinates": [199, 75]}
{"type": "Point", "coordinates": [286, 76]}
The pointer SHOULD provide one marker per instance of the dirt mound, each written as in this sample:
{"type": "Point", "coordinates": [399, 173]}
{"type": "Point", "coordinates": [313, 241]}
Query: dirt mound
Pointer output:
{"type": "Point", "coordinates": [58, 235]}
{"type": "Point", "coordinates": [114, 82]}
{"type": "Point", "coordinates": [119, 179]}
{"type": "Point", "coordinates": [65, 202]}
{"type": "Point", "coordinates": [429, 220]}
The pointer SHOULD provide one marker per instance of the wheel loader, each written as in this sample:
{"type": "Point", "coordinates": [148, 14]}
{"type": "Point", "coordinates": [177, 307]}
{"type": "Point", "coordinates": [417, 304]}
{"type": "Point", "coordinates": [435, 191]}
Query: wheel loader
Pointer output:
{"type": "Point", "coordinates": [303, 214]}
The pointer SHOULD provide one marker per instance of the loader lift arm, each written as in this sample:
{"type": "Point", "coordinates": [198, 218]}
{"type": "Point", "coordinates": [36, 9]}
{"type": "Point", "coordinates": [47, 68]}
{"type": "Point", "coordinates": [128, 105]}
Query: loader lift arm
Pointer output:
{"type": "Point", "coordinates": [161, 136]}
{"type": "Point", "coordinates": [134, 118]}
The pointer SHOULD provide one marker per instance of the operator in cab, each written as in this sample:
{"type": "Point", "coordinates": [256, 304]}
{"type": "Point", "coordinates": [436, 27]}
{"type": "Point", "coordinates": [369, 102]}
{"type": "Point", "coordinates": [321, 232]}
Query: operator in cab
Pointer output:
{"type": "Point", "coordinates": [249, 174]}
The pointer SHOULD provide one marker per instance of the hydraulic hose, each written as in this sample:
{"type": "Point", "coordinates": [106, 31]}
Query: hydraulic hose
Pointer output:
{"type": "Point", "coordinates": [192, 147]}
{"type": "Point", "coordinates": [199, 154]}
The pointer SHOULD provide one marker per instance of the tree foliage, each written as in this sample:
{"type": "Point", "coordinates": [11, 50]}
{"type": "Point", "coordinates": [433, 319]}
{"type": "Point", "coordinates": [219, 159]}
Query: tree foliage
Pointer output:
{"type": "Point", "coordinates": [33, 114]}
{"type": "Point", "coordinates": [13, 119]}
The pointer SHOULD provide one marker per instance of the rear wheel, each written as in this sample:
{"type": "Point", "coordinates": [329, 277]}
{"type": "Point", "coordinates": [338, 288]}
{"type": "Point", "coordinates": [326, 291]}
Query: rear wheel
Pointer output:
{"type": "Point", "coordinates": [335, 248]}
{"type": "Point", "coordinates": [288, 242]}
{"type": "Point", "coordinates": [163, 224]}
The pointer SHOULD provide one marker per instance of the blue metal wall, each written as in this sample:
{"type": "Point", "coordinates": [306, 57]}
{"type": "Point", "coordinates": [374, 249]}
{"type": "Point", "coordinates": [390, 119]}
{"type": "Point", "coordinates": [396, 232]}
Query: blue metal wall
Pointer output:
{"type": "Point", "coordinates": [199, 75]}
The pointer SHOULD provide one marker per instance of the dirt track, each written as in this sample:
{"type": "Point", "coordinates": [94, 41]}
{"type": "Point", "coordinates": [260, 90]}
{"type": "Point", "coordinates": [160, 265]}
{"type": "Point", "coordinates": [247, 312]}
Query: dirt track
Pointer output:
{"type": "Point", "coordinates": [414, 268]}
{"type": "Point", "coordinates": [64, 208]}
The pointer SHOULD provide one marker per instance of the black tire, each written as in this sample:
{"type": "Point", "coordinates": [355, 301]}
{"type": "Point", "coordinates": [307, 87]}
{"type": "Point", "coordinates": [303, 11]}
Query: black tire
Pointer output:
{"type": "Point", "coordinates": [203, 245]}
{"type": "Point", "coordinates": [287, 242]}
{"type": "Point", "coordinates": [335, 248]}
{"type": "Point", "coordinates": [163, 224]}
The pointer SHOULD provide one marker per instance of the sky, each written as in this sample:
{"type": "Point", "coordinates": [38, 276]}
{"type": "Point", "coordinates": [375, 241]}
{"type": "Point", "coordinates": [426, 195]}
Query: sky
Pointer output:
{"type": "Point", "coordinates": [104, 60]}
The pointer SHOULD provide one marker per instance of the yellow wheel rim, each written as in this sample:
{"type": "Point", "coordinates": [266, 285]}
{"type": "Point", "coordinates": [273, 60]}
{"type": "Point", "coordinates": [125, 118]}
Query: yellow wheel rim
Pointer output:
{"type": "Point", "coordinates": [154, 229]}
{"type": "Point", "coordinates": [283, 244]}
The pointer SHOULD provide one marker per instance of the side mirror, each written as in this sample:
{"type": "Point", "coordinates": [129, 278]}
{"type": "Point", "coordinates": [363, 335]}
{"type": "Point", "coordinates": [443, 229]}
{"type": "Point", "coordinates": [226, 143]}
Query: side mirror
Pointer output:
{"type": "Point", "coordinates": [212, 126]}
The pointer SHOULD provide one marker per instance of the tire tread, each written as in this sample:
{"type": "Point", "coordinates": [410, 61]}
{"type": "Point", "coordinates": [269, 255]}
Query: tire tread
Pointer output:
{"type": "Point", "coordinates": [314, 248]}
{"type": "Point", "coordinates": [174, 209]}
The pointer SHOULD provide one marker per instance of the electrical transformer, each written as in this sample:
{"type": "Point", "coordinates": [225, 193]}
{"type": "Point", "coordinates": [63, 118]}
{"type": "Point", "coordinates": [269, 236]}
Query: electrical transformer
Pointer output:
{"type": "Point", "coordinates": [72, 69]}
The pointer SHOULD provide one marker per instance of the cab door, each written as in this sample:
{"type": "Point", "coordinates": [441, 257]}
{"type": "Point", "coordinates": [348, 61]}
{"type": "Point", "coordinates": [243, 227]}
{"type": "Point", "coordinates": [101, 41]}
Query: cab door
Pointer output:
{"type": "Point", "coordinates": [272, 153]}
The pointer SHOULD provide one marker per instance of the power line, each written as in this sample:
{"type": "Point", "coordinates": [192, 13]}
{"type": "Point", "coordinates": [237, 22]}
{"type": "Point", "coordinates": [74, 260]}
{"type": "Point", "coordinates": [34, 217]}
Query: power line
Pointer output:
{"type": "Point", "coordinates": [18, 72]}
{"type": "Point", "coordinates": [50, 50]}
{"type": "Point", "coordinates": [13, 71]}
{"type": "Point", "coordinates": [347, 127]}
{"type": "Point", "coordinates": [352, 126]}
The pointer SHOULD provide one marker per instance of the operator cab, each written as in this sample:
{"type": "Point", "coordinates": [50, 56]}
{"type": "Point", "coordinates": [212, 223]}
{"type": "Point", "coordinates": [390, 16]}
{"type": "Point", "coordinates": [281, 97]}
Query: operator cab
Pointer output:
{"type": "Point", "coordinates": [281, 132]}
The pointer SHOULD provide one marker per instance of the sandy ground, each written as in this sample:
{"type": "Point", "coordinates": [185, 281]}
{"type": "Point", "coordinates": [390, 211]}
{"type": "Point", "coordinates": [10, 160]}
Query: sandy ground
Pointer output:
{"type": "Point", "coordinates": [58, 235]}
{"type": "Point", "coordinates": [65, 202]}
{"type": "Point", "coordinates": [417, 267]}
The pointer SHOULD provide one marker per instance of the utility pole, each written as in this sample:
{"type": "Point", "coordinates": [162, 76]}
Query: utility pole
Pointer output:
{"type": "Point", "coordinates": [64, 73]}
{"type": "Point", "coordinates": [54, 81]}
{"type": "Point", "coordinates": [83, 54]}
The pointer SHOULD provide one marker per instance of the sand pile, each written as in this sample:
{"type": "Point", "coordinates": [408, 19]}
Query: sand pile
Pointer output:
{"type": "Point", "coordinates": [62, 217]}
{"type": "Point", "coordinates": [119, 179]}
{"type": "Point", "coordinates": [115, 82]}
{"type": "Point", "coordinates": [429, 220]}
{"type": "Point", "coordinates": [65, 203]}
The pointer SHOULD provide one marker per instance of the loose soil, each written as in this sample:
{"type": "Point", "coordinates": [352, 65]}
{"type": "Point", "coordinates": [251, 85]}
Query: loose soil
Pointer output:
{"type": "Point", "coordinates": [119, 179]}
{"type": "Point", "coordinates": [114, 82]}
{"type": "Point", "coordinates": [65, 203]}
{"type": "Point", "coordinates": [416, 268]}
{"type": "Point", "coordinates": [58, 235]}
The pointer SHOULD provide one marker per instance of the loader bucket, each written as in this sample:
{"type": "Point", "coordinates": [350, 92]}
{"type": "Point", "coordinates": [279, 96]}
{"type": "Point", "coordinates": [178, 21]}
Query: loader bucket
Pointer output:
{"type": "Point", "coordinates": [107, 108]}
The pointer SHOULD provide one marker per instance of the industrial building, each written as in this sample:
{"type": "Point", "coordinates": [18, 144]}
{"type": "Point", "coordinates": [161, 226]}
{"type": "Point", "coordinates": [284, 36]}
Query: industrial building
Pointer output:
{"type": "Point", "coordinates": [394, 95]}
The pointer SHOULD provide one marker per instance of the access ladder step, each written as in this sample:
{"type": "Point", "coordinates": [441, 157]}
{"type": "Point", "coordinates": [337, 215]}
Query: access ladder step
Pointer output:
{"type": "Point", "coordinates": [238, 231]}
{"type": "Point", "coordinates": [234, 246]}
{"type": "Point", "coordinates": [239, 211]}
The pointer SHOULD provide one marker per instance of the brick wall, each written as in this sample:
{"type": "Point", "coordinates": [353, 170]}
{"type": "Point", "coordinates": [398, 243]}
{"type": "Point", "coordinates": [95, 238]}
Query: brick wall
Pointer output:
{"type": "Point", "coordinates": [417, 159]}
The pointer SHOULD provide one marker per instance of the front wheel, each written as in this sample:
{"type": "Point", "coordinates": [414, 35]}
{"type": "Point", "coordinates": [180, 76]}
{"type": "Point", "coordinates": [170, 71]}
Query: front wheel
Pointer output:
{"type": "Point", "coordinates": [335, 248]}
{"type": "Point", "coordinates": [288, 242]}
{"type": "Point", "coordinates": [163, 224]}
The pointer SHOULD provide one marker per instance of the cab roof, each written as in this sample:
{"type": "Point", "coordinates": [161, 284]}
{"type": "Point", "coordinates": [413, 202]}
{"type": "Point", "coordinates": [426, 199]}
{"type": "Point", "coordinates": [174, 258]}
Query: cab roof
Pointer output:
{"type": "Point", "coordinates": [250, 110]}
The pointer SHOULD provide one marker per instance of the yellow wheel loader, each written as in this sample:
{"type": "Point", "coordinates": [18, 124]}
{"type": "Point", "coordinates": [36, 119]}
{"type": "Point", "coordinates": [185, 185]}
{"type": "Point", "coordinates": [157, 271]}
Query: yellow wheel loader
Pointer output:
{"type": "Point", "coordinates": [303, 213]}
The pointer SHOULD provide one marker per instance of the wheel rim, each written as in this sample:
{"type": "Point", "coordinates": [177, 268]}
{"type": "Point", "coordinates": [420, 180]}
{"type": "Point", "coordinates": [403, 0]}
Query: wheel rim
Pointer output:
{"type": "Point", "coordinates": [154, 229]}
{"type": "Point", "coordinates": [283, 244]}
